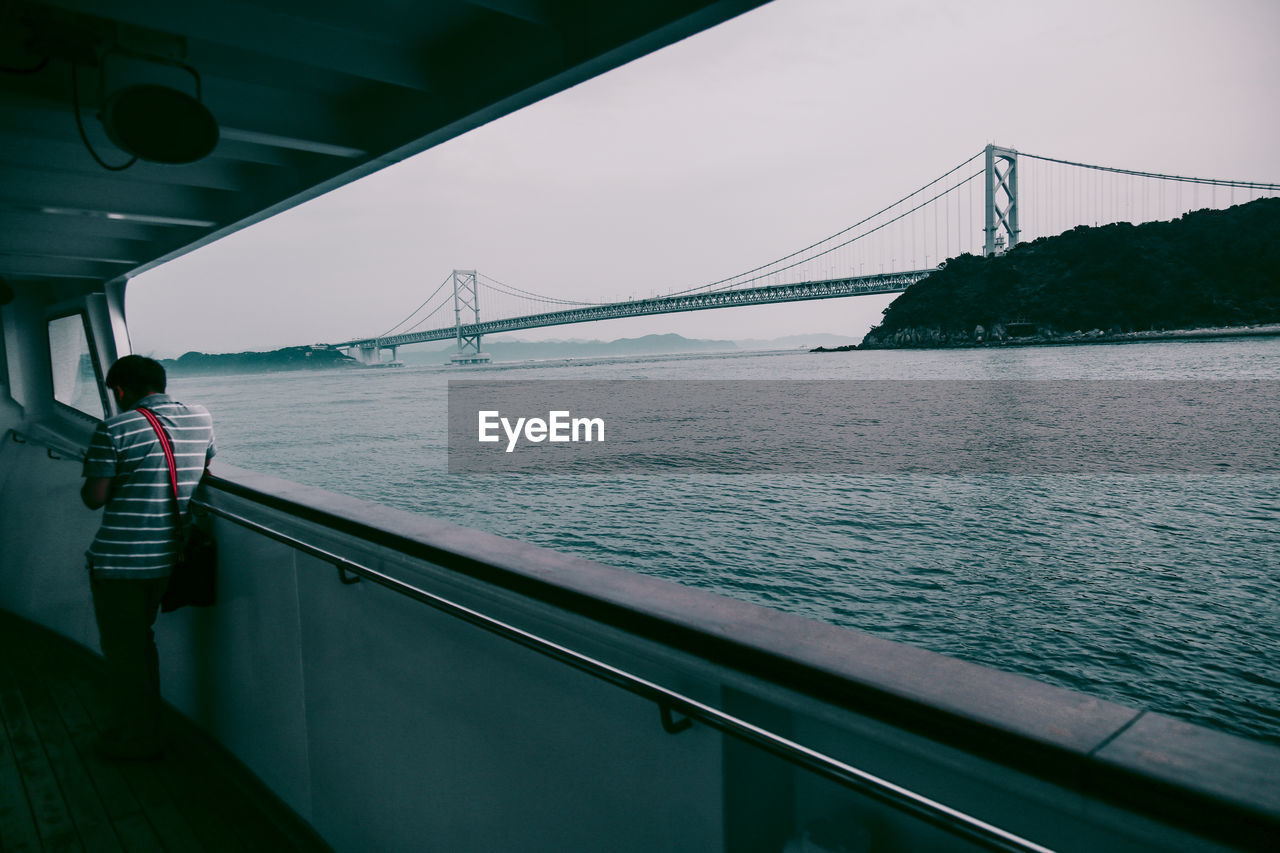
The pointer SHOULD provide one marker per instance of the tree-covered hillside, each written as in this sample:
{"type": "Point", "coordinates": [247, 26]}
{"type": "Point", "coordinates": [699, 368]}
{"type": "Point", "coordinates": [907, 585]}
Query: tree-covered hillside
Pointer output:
{"type": "Point", "coordinates": [289, 358]}
{"type": "Point", "coordinates": [1209, 268]}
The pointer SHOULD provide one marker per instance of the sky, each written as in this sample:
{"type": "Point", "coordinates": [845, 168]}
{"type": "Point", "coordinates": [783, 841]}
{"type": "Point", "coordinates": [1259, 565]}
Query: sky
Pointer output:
{"type": "Point", "coordinates": [731, 148]}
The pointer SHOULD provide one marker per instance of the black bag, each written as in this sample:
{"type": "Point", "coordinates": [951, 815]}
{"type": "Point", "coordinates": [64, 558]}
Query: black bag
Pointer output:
{"type": "Point", "coordinates": [195, 576]}
{"type": "Point", "coordinates": [194, 580]}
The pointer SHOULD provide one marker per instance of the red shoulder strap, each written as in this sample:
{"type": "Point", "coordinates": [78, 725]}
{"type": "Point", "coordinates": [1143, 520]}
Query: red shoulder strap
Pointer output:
{"type": "Point", "coordinates": [164, 445]}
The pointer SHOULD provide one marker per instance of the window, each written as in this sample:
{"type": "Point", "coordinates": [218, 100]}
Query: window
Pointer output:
{"type": "Point", "coordinates": [76, 382]}
{"type": "Point", "coordinates": [4, 360]}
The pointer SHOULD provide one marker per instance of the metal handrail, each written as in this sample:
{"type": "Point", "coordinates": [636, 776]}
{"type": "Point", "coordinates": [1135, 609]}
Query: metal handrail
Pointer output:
{"type": "Point", "coordinates": [52, 449]}
{"type": "Point", "coordinates": [936, 814]}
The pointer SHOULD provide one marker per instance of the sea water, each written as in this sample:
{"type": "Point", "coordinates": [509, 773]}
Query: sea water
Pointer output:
{"type": "Point", "coordinates": [1158, 591]}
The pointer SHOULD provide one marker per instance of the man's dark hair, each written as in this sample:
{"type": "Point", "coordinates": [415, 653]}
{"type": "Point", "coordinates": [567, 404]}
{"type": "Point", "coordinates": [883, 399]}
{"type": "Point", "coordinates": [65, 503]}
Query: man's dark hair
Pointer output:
{"type": "Point", "coordinates": [137, 374]}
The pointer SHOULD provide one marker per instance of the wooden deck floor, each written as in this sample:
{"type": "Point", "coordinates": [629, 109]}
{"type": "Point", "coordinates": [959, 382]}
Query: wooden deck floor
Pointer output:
{"type": "Point", "coordinates": [56, 794]}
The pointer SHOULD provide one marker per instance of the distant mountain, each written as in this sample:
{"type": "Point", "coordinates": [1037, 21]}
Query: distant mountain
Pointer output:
{"type": "Point", "coordinates": [799, 342]}
{"type": "Point", "coordinates": [312, 358]}
{"type": "Point", "coordinates": [515, 350]}
{"type": "Point", "coordinates": [502, 350]}
{"type": "Point", "coordinates": [1210, 268]}
{"type": "Point", "coordinates": [289, 358]}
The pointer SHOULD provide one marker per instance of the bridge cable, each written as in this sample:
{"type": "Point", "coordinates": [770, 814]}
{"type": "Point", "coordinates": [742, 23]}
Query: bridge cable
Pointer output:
{"type": "Point", "coordinates": [419, 308]}
{"type": "Point", "coordinates": [831, 237]}
{"type": "Point", "coordinates": [1220, 182]}
{"type": "Point", "coordinates": [445, 304]}
{"type": "Point", "coordinates": [426, 317]}
{"type": "Point", "coordinates": [538, 296]}
{"type": "Point", "coordinates": [852, 239]}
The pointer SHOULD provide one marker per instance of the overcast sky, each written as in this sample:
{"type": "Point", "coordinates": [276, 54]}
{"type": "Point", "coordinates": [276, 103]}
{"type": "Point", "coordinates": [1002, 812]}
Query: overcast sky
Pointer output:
{"type": "Point", "coordinates": [734, 147]}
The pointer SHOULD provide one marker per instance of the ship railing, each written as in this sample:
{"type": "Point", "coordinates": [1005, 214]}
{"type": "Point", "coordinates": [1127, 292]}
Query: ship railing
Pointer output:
{"type": "Point", "coordinates": [670, 702]}
{"type": "Point", "coordinates": [968, 750]}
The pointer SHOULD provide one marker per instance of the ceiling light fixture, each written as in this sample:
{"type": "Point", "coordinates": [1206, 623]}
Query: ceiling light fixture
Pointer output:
{"type": "Point", "coordinates": [157, 122]}
{"type": "Point", "coordinates": [149, 119]}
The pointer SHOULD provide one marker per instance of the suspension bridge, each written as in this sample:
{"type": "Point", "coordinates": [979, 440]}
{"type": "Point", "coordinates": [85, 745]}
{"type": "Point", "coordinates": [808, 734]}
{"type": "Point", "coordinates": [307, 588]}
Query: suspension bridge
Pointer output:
{"type": "Point", "coordinates": [901, 244]}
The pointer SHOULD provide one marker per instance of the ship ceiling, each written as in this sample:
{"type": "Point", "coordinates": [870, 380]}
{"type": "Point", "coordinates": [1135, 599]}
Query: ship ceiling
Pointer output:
{"type": "Point", "coordinates": [307, 95]}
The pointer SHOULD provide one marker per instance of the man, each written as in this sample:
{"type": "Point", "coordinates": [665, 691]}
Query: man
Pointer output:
{"type": "Point", "coordinates": [134, 552]}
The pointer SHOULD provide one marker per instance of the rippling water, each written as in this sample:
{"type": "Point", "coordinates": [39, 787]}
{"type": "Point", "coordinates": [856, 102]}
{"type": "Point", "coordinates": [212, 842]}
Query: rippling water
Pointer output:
{"type": "Point", "coordinates": [1156, 591]}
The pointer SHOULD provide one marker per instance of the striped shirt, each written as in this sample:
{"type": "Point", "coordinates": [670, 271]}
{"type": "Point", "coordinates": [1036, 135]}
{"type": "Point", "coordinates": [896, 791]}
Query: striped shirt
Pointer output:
{"type": "Point", "coordinates": [139, 536]}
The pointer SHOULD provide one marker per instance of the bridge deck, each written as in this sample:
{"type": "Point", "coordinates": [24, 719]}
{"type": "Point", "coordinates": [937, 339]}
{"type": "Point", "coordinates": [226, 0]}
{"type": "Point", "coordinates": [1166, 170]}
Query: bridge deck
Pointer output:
{"type": "Point", "coordinates": [57, 794]}
{"type": "Point", "coordinates": [832, 288]}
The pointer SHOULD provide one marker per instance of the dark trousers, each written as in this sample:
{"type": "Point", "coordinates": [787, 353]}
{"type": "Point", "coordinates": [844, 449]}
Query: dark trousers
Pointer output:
{"type": "Point", "coordinates": [126, 611]}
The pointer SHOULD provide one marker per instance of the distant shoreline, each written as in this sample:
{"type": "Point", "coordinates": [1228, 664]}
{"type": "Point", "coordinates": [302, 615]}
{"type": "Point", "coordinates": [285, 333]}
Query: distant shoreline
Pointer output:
{"type": "Point", "coordinates": [324, 357]}
{"type": "Point", "coordinates": [1092, 337]}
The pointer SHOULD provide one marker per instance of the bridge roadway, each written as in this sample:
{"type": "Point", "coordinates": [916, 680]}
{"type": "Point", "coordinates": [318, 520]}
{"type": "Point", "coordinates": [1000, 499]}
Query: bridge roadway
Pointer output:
{"type": "Point", "coordinates": [825, 289]}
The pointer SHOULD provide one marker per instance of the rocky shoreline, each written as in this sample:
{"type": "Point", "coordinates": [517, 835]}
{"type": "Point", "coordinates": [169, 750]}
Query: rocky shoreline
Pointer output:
{"type": "Point", "coordinates": [1000, 336]}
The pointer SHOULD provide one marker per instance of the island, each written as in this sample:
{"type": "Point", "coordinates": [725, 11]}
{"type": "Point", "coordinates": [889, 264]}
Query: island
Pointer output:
{"type": "Point", "coordinates": [1209, 272]}
{"type": "Point", "coordinates": [288, 358]}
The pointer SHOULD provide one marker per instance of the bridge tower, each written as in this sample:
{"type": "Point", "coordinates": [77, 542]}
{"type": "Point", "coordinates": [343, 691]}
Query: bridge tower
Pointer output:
{"type": "Point", "coordinates": [1001, 181]}
{"type": "Point", "coordinates": [466, 300]}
